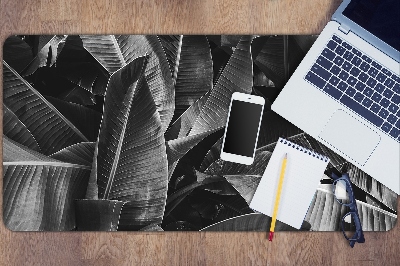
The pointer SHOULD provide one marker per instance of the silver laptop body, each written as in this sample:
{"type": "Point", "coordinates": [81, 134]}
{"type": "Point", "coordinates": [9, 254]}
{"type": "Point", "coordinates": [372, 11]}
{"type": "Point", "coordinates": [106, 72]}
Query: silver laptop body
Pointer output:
{"type": "Point", "coordinates": [346, 91]}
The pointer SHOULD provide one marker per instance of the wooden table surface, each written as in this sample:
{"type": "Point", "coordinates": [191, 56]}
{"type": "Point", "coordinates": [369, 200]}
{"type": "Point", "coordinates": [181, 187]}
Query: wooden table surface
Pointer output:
{"type": "Point", "coordinates": [183, 248]}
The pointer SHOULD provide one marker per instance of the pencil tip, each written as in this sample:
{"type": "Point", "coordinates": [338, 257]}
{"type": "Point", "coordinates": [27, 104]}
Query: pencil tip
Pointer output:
{"type": "Point", "coordinates": [285, 155]}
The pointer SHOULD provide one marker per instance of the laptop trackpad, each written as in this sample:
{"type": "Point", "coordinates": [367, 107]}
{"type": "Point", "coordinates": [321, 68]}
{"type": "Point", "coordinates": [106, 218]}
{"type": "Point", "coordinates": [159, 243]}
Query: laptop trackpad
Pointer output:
{"type": "Point", "coordinates": [348, 135]}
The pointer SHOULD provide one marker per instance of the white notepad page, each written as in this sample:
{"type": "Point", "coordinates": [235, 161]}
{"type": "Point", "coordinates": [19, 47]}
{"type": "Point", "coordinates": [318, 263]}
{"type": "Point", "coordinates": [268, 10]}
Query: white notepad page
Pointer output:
{"type": "Point", "coordinates": [304, 169]}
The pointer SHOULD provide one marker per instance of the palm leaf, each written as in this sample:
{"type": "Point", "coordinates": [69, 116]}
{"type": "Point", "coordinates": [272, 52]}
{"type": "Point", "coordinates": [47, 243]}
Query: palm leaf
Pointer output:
{"type": "Point", "coordinates": [17, 131]}
{"type": "Point", "coordinates": [81, 153]}
{"type": "Point", "coordinates": [212, 155]}
{"type": "Point", "coordinates": [48, 126]}
{"type": "Point", "coordinates": [248, 222]}
{"type": "Point", "coordinates": [131, 159]}
{"type": "Point", "coordinates": [17, 53]}
{"type": "Point", "coordinates": [171, 45]}
{"type": "Point", "coordinates": [39, 192]}
{"type": "Point", "coordinates": [236, 77]}
{"type": "Point", "coordinates": [114, 52]}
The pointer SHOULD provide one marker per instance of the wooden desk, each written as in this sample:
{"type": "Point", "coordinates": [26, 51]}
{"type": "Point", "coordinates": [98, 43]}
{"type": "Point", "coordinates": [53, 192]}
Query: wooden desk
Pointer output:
{"type": "Point", "coordinates": [190, 17]}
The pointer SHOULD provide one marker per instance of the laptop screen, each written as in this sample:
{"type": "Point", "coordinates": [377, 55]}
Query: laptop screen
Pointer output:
{"type": "Point", "coordinates": [379, 17]}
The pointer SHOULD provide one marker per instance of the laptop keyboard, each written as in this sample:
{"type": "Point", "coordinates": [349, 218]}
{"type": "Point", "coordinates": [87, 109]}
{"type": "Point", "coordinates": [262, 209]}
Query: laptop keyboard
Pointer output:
{"type": "Point", "coordinates": [360, 83]}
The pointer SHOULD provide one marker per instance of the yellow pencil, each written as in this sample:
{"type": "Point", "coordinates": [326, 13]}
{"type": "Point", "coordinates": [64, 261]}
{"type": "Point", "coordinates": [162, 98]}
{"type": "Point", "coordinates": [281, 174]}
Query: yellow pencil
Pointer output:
{"type": "Point", "coordinates": [278, 197]}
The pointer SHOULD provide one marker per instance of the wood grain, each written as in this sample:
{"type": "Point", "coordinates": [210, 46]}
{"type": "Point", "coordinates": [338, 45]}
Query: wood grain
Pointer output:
{"type": "Point", "coordinates": [184, 248]}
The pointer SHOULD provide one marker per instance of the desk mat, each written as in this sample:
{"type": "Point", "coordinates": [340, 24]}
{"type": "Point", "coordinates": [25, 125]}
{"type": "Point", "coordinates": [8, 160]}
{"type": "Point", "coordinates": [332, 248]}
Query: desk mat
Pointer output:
{"type": "Point", "coordinates": [124, 133]}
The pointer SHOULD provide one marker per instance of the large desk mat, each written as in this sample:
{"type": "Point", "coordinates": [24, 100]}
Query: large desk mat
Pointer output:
{"type": "Point", "coordinates": [111, 132]}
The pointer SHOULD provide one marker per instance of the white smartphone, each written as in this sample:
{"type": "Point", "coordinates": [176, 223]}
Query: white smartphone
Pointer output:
{"type": "Point", "coordinates": [242, 128]}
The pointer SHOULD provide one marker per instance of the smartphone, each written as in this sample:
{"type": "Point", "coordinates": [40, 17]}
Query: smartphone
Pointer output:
{"type": "Point", "coordinates": [242, 128]}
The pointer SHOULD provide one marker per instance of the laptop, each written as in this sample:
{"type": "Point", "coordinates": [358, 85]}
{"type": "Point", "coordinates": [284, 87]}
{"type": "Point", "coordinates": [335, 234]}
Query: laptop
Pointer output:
{"type": "Point", "coordinates": [346, 91]}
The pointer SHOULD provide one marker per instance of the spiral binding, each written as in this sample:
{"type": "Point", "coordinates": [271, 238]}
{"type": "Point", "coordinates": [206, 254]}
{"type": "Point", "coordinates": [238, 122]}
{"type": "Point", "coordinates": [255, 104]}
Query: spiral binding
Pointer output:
{"type": "Point", "coordinates": [305, 150]}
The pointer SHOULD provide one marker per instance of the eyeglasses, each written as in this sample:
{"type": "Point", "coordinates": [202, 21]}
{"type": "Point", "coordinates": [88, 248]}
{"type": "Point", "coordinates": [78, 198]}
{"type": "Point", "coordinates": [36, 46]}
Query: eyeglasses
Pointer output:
{"type": "Point", "coordinates": [348, 199]}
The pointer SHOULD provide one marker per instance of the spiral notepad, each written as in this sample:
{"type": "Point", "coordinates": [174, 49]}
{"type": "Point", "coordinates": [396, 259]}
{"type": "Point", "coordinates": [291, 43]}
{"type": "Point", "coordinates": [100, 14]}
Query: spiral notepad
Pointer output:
{"type": "Point", "coordinates": [303, 172]}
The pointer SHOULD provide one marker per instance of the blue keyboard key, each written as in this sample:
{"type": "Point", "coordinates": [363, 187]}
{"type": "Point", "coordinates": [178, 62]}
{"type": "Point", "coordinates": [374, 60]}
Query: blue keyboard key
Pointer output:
{"type": "Point", "coordinates": [379, 88]}
{"type": "Point", "coordinates": [314, 79]}
{"type": "Point", "coordinates": [376, 97]}
{"type": "Point", "coordinates": [356, 52]}
{"type": "Point", "coordinates": [346, 45]}
{"type": "Point", "coordinates": [386, 71]}
{"type": "Point", "coordinates": [328, 54]}
{"type": "Point", "coordinates": [332, 91]}
{"type": "Point", "coordinates": [385, 102]}
{"type": "Point", "coordinates": [386, 127]}
{"type": "Point", "coordinates": [335, 70]}
{"type": "Point", "coordinates": [381, 77]}
{"type": "Point", "coordinates": [338, 60]}
{"type": "Point", "coordinates": [346, 66]}
{"type": "Point", "coordinates": [322, 61]}
{"type": "Point", "coordinates": [334, 80]}
{"type": "Point", "coordinates": [391, 119]}
{"type": "Point", "coordinates": [397, 124]}
{"type": "Point", "coordinates": [355, 71]}
{"type": "Point", "coordinates": [394, 132]}
{"type": "Point", "coordinates": [366, 58]}
{"type": "Point", "coordinates": [371, 82]}
{"type": "Point", "coordinates": [396, 88]}
{"type": "Point", "coordinates": [317, 69]}
{"type": "Point", "coordinates": [376, 65]}
{"type": "Point", "coordinates": [383, 113]}
{"type": "Point", "coordinates": [361, 110]}
{"type": "Point", "coordinates": [388, 93]}
{"type": "Point", "coordinates": [342, 86]}
{"type": "Point", "coordinates": [389, 83]}
{"type": "Point", "coordinates": [337, 39]}
{"type": "Point", "coordinates": [363, 77]}
{"type": "Point", "coordinates": [350, 91]}
{"type": "Point", "coordinates": [351, 81]}
{"type": "Point", "coordinates": [368, 92]}
{"type": "Point", "coordinates": [343, 75]}
{"type": "Point", "coordinates": [340, 50]}
{"type": "Point", "coordinates": [367, 102]}
{"type": "Point", "coordinates": [396, 78]}
{"type": "Point", "coordinates": [359, 97]}
{"type": "Point", "coordinates": [348, 55]}
{"type": "Point", "coordinates": [393, 108]}
{"type": "Point", "coordinates": [331, 44]}
{"type": "Point", "coordinates": [360, 86]}
{"type": "Point", "coordinates": [373, 72]}
{"type": "Point", "coordinates": [364, 66]}
{"type": "Point", "coordinates": [396, 99]}
{"type": "Point", "coordinates": [356, 61]}
{"type": "Point", "coordinates": [375, 108]}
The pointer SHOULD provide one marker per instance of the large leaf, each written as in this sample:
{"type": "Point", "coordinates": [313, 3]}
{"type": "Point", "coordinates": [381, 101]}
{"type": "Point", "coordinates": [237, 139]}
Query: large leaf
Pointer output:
{"type": "Point", "coordinates": [46, 56]}
{"type": "Point", "coordinates": [17, 131]}
{"type": "Point", "coordinates": [17, 53]}
{"type": "Point", "coordinates": [236, 77]}
{"type": "Point", "coordinates": [39, 192]}
{"type": "Point", "coordinates": [114, 52]}
{"type": "Point", "coordinates": [48, 126]}
{"type": "Point", "coordinates": [172, 45]}
{"type": "Point", "coordinates": [325, 213]}
{"type": "Point", "coordinates": [81, 153]}
{"type": "Point", "coordinates": [248, 222]}
{"type": "Point", "coordinates": [131, 159]}
{"type": "Point", "coordinates": [212, 155]}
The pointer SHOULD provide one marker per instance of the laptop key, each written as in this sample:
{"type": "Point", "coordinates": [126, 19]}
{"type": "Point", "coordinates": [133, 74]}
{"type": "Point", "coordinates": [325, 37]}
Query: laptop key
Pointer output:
{"type": "Point", "coordinates": [361, 110]}
{"type": "Point", "coordinates": [383, 113]}
{"type": "Point", "coordinates": [364, 66]}
{"type": "Point", "coordinates": [397, 123]}
{"type": "Point", "coordinates": [366, 58]}
{"type": "Point", "coordinates": [348, 55]}
{"type": "Point", "coordinates": [334, 80]}
{"type": "Point", "coordinates": [381, 77]}
{"type": "Point", "coordinates": [314, 79]}
{"type": "Point", "coordinates": [340, 50]}
{"type": "Point", "coordinates": [389, 82]}
{"type": "Point", "coordinates": [360, 86]}
{"type": "Point", "coordinates": [391, 119]}
{"type": "Point", "coordinates": [363, 77]}
{"type": "Point", "coordinates": [367, 102]}
{"type": "Point", "coordinates": [386, 71]}
{"type": "Point", "coordinates": [375, 108]}
{"type": "Point", "coordinates": [332, 91]}
{"type": "Point", "coordinates": [379, 88]}
{"type": "Point", "coordinates": [317, 69]}
{"type": "Point", "coordinates": [385, 102]}
{"type": "Point", "coordinates": [373, 72]}
{"type": "Point", "coordinates": [337, 39]}
{"type": "Point", "coordinates": [376, 97]}
{"type": "Point", "coordinates": [368, 92]}
{"type": "Point", "coordinates": [396, 99]}
{"type": "Point", "coordinates": [322, 61]}
{"type": "Point", "coordinates": [328, 54]}
{"type": "Point", "coordinates": [386, 127]}
{"type": "Point", "coordinates": [351, 81]}
{"type": "Point", "coordinates": [388, 93]}
{"type": "Point", "coordinates": [376, 65]}
{"type": "Point", "coordinates": [393, 108]}
{"type": "Point", "coordinates": [356, 52]}
{"type": "Point", "coordinates": [350, 91]}
{"type": "Point", "coordinates": [359, 97]}
{"type": "Point", "coordinates": [343, 75]}
{"type": "Point", "coordinates": [335, 70]}
{"type": "Point", "coordinates": [338, 60]}
{"type": "Point", "coordinates": [346, 45]}
{"type": "Point", "coordinates": [346, 66]}
{"type": "Point", "coordinates": [394, 132]}
{"type": "Point", "coordinates": [371, 82]}
{"type": "Point", "coordinates": [396, 88]}
{"type": "Point", "coordinates": [396, 78]}
{"type": "Point", "coordinates": [342, 86]}
{"type": "Point", "coordinates": [332, 45]}
{"type": "Point", "coordinates": [356, 61]}
{"type": "Point", "coordinates": [355, 71]}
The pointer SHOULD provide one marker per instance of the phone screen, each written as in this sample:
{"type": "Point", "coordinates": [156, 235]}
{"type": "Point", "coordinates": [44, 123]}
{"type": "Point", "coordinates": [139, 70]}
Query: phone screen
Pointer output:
{"type": "Point", "coordinates": [242, 128]}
